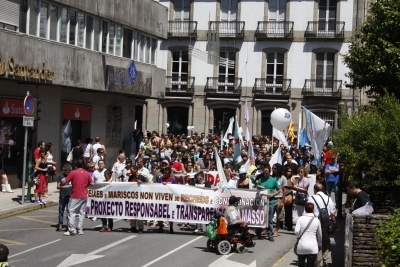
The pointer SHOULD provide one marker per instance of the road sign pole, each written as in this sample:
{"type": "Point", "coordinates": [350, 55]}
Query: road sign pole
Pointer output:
{"type": "Point", "coordinates": [24, 168]}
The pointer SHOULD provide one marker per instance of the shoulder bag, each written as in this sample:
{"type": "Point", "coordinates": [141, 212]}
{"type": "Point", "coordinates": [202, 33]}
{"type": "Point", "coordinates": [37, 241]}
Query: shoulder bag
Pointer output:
{"type": "Point", "coordinates": [69, 158]}
{"type": "Point", "coordinates": [298, 239]}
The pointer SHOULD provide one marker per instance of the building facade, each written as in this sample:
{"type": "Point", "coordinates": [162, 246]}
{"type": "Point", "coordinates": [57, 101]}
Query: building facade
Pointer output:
{"type": "Point", "coordinates": [93, 65]}
{"type": "Point", "coordinates": [270, 54]}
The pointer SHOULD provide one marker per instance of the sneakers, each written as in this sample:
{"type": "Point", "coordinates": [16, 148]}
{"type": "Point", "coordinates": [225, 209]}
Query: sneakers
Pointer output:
{"type": "Point", "coordinates": [68, 233]}
{"type": "Point", "coordinates": [94, 219]}
{"type": "Point", "coordinates": [196, 230]}
{"type": "Point", "coordinates": [42, 201]}
{"type": "Point", "coordinates": [37, 202]}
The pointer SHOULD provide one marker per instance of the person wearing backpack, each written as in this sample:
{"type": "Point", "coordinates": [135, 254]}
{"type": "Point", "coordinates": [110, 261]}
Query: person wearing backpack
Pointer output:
{"type": "Point", "coordinates": [324, 210]}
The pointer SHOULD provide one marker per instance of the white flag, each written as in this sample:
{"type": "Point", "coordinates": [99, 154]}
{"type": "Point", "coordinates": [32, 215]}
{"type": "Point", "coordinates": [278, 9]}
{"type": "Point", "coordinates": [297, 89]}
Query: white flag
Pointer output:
{"type": "Point", "coordinates": [276, 158]}
{"type": "Point", "coordinates": [280, 136]}
{"type": "Point", "coordinates": [223, 182]}
{"type": "Point", "coordinates": [317, 132]}
{"type": "Point", "coordinates": [229, 130]}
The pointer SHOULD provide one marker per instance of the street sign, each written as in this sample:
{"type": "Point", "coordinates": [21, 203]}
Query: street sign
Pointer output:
{"type": "Point", "coordinates": [29, 105]}
{"type": "Point", "coordinates": [28, 121]}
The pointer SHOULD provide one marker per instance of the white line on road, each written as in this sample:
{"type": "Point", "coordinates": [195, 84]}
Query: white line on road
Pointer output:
{"type": "Point", "coordinates": [111, 245]}
{"type": "Point", "coordinates": [172, 251]}
{"type": "Point", "coordinates": [34, 248]}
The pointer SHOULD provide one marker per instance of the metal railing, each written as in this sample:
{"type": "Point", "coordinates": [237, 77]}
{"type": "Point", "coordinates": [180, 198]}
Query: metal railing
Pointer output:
{"type": "Point", "coordinates": [231, 29]}
{"type": "Point", "coordinates": [182, 28]}
{"type": "Point", "coordinates": [325, 29]}
{"type": "Point", "coordinates": [223, 85]}
{"type": "Point", "coordinates": [322, 88]}
{"type": "Point", "coordinates": [180, 84]}
{"type": "Point", "coordinates": [267, 86]}
{"type": "Point", "coordinates": [274, 29]}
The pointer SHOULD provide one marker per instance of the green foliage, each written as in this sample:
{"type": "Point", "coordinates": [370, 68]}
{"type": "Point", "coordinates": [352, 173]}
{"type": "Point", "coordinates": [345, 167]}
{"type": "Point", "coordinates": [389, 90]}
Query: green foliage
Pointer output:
{"type": "Point", "coordinates": [369, 143]}
{"type": "Point", "coordinates": [374, 55]}
{"type": "Point", "coordinates": [388, 237]}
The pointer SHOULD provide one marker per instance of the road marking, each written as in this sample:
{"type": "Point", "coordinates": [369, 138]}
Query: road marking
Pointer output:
{"type": "Point", "coordinates": [172, 251]}
{"type": "Point", "coordinates": [35, 220]}
{"type": "Point", "coordinates": [223, 261]}
{"type": "Point", "coordinates": [283, 258]}
{"type": "Point", "coordinates": [34, 248]}
{"type": "Point", "coordinates": [81, 258]}
{"type": "Point", "coordinates": [10, 242]}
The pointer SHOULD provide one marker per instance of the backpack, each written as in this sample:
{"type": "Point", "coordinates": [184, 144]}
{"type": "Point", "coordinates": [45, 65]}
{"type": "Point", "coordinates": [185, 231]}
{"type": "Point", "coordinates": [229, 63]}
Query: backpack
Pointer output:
{"type": "Point", "coordinates": [323, 215]}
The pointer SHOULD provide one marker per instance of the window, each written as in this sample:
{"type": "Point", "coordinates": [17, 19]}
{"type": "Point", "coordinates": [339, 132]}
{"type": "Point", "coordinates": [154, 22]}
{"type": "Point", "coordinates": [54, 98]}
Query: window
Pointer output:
{"type": "Point", "coordinates": [276, 16]}
{"type": "Point", "coordinates": [226, 72]}
{"type": "Point", "coordinates": [89, 32]}
{"type": "Point", "coordinates": [81, 29]}
{"type": "Point", "coordinates": [327, 15]}
{"type": "Point", "coordinates": [142, 47]}
{"type": "Point", "coordinates": [324, 72]}
{"type": "Point", "coordinates": [114, 39]}
{"type": "Point", "coordinates": [148, 49]}
{"type": "Point", "coordinates": [72, 27]}
{"type": "Point", "coordinates": [180, 67]}
{"type": "Point", "coordinates": [64, 25]}
{"type": "Point", "coordinates": [53, 22]}
{"type": "Point", "coordinates": [181, 10]}
{"type": "Point", "coordinates": [111, 38]}
{"type": "Point", "coordinates": [127, 43]}
{"type": "Point", "coordinates": [153, 51]}
{"type": "Point", "coordinates": [229, 9]}
{"type": "Point", "coordinates": [33, 16]}
{"type": "Point", "coordinates": [97, 35]}
{"type": "Point", "coordinates": [104, 37]}
{"type": "Point", "coordinates": [275, 68]}
{"type": "Point", "coordinates": [118, 40]}
{"type": "Point", "coordinates": [43, 19]}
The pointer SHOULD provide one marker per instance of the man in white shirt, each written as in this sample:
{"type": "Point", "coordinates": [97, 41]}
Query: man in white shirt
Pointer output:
{"type": "Point", "coordinates": [118, 168]}
{"type": "Point", "coordinates": [98, 175]}
{"type": "Point", "coordinates": [99, 156]}
{"type": "Point", "coordinates": [322, 200]}
{"type": "Point", "coordinates": [98, 145]}
{"type": "Point", "coordinates": [232, 215]}
{"type": "Point", "coordinates": [143, 170]}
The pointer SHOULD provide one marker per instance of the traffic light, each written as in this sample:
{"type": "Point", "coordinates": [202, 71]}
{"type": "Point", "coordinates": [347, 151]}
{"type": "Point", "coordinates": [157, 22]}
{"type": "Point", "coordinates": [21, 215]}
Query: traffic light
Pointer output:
{"type": "Point", "coordinates": [37, 109]}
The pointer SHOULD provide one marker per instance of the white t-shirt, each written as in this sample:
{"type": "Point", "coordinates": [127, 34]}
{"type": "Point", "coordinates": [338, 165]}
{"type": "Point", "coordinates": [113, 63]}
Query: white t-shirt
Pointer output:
{"type": "Point", "coordinates": [98, 176]}
{"type": "Point", "coordinates": [86, 154]}
{"type": "Point", "coordinates": [95, 147]}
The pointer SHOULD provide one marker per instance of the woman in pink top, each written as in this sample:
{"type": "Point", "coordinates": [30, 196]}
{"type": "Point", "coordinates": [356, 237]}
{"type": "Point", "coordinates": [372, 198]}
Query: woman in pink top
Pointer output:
{"type": "Point", "coordinates": [302, 185]}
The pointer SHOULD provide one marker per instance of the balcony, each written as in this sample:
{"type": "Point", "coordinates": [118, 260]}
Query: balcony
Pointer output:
{"type": "Point", "coordinates": [325, 30]}
{"type": "Point", "coordinates": [182, 29]}
{"type": "Point", "coordinates": [266, 87]}
{"type": "Point", "coordinates": [228, 29]}
{"type": "Point", "coordinates": [274, 30]}
{"type": "Point", "coordinates": [223, 87]}
{"type": "Point", "coordinates": [330, 88]}
{"type": "Point", "coordinates": [179, 86]}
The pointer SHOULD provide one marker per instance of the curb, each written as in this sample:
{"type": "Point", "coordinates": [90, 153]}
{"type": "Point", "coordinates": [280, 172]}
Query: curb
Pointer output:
{"type": "Point", "coordinates": [29, 208]}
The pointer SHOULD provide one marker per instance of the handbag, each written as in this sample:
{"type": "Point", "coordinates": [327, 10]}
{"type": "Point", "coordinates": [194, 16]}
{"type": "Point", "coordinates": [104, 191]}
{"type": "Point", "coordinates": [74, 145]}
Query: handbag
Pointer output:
{"type": "Point", "coordinates": [298, 239]}
{"type": "Point", "coordinates": [288, 199]}
{"type": "Point", "coordinates": [301, 198]}
{"type": "Point", "coordinates": [69, 158]}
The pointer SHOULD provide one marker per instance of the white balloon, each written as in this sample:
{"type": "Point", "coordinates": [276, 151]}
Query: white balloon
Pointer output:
{"type": "Point", "coordinates": [280, 118]}
{"type": "Point", "coordinates": [167, 124]}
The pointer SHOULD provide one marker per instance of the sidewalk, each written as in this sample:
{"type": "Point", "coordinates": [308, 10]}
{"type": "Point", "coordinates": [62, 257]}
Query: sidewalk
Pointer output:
{"type": "Point", "coordinates": [11, 202]}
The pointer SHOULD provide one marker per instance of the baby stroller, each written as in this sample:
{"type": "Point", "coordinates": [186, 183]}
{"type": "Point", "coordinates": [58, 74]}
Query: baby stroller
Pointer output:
{"type": "Point", "coordinates": [224, 241]}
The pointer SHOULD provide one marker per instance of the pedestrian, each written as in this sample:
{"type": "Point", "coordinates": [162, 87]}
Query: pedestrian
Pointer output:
{"type": "Point", "coordinates": [332, 177]}
{"type": "Point", "coordinates": [40, 177]}
{"type": "Point", "coordinates": [308, 228]}
{"type": "Point", "coordinates": [107, 223]}
{"type": "Point", "coordinates": [323, 201]}
{"type": "Point", "coordinates": [5, 186]}
{"type": "Point", "coordinates": [4, 255]}
{"type": "Point", "coordinates": [354, 190]}
{"type": "Point", "coordinates": [301, 191]}
{"type": "Point", "coordinates": [80, 180]}
{"type": "Point", "coordinates": [77, 154]}
{"type": "Point", "coordinates": [288, 198]}
{"type": "Point", "coordinates": [98, 145]}
{"type": "Point", "coordinates": [277, 172]}
{"type": "Point", "coordinates": [65, 195]}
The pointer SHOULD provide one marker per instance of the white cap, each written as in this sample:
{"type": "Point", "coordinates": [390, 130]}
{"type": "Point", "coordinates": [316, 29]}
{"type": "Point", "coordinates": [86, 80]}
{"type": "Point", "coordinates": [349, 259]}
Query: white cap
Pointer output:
{"type": "Point", "coordinates": [242, 170]}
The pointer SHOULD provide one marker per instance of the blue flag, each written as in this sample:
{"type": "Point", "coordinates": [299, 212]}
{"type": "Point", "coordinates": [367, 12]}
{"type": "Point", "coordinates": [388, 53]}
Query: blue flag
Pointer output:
{"type": "Point", "coordinates": [132, 72]}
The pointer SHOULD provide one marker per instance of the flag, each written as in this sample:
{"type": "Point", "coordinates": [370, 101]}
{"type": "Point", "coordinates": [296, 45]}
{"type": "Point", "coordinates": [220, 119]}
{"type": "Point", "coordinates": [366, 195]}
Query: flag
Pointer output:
{"type": "Point", "coordinates": [280, 136]}
{"type": "Point", "coordinates": [239, 141]}
{"type": "Point", "coordinates": [222, 179]}
{"type": "Point", "coordinates": [229, 130]}
{"type": "Point", "coordinates": [250, 157]}
{"type": "Point", "coordinates": [291, 131]}
{"type": "Point", "coordinates": [247, 136]}
{"type": "Point", "coordinates": [246, 114]}
{"type": "Point", "coordinates": [304, 138]}
{"type": "Point", "coordinates": [276, 157]}
{"type": "Point", "coordinates": [317, 132]}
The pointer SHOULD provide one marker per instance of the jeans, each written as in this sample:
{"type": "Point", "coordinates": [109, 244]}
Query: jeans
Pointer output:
{"type": "Point", "coordinates": [270, 223]}
{"type": "Point", "coordinates": [110, 222]}
{"type": "Point", "coordinates": [310, 260]}
{"type": "Point", "coordinates": [63, 203]}
{"type": "Point", "coordinates": [332, 186]}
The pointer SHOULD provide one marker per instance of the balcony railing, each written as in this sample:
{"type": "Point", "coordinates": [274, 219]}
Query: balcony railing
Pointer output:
{"type": "Point", "coordinates": [267, 86]}
{"type": "Point", "coordinates": [223, 85]}
{"type": "Point", "coordinates": [274, 29]}
{"type": "Point", "coordinates": [322, 88]}
{"type": "Point", "coordinates": [179, 84]}
{"type": "Point", "coordinates": [325, 30]}
{"type": "Point", "coordinates": [228, 29]}
{"type": "Point", "coordinates": [182, 29]}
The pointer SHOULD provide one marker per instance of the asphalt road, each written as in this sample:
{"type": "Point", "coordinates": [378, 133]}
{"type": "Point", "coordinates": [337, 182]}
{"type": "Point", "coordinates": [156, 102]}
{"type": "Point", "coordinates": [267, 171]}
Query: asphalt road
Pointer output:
{"type": "Point", "coordinates": [33, 241]}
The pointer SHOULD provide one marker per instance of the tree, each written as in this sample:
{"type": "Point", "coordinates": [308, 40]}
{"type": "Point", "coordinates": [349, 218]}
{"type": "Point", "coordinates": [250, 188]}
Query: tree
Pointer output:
{"type": "Point", "coordinates": [374, 54]}
{"type": "Point", "coordinates": [368, 144]}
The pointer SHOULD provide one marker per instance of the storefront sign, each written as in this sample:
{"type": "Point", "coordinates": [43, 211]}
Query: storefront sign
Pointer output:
{"type": "Point", "coordinates": [12, 70]}
{"type": "Point", "coordinates": [12, 107]}
{"type": "Point", "coordinates": [120, 80]}
{"type": "Point", "coordinates": [76, 112]}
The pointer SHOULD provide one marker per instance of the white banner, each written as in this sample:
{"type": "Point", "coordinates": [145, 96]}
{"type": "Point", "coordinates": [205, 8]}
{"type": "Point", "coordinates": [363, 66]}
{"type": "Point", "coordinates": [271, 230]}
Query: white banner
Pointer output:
{"type": "Point", "coordinates": [177, 203]}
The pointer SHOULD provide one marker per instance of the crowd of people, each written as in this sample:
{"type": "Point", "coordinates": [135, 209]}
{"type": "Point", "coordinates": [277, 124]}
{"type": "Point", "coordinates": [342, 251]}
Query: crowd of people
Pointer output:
{"type": "Point", "coordinates": [181, 159]}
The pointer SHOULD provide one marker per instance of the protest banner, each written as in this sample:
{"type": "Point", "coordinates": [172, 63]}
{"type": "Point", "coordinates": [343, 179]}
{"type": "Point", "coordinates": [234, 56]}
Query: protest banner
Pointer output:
{"type": "Point", "coordinates": [177, 203]}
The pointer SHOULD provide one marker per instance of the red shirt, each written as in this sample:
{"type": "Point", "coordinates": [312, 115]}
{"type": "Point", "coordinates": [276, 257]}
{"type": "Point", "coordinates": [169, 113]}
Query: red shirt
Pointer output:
{"type": "Point", "coordinates": [327, 157]}
{"type": "Point", "coordinates": [80, 179]}
{"type": "Point", "coordinates": [36, 155]}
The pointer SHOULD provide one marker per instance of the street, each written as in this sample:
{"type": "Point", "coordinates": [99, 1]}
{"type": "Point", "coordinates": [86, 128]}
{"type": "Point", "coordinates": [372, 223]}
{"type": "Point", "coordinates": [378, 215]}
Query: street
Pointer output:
{"type": "Point", "coordinates": [33, 241]}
